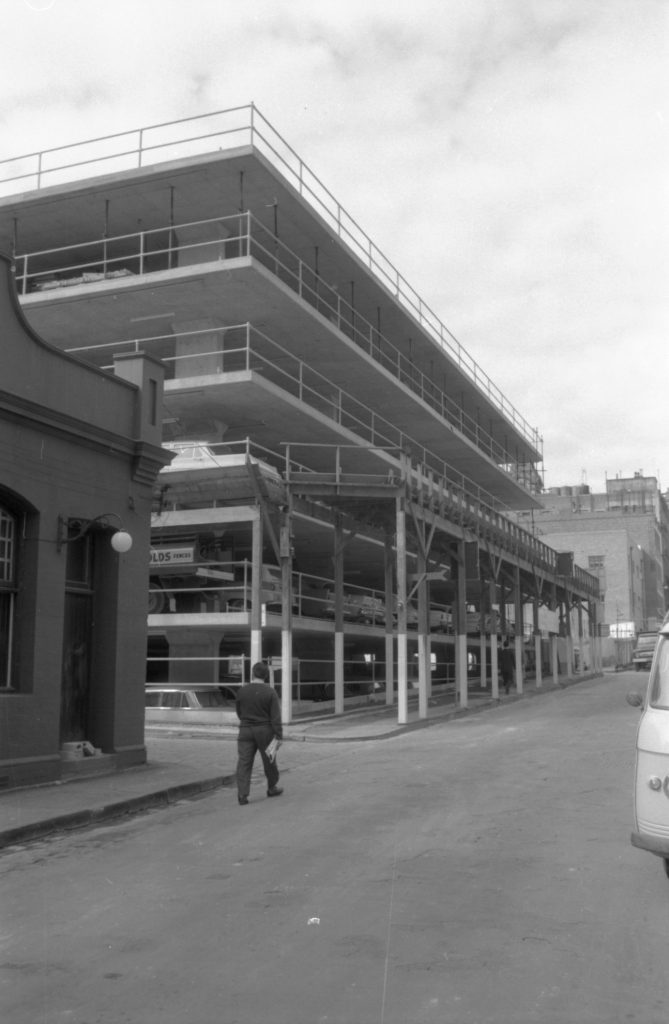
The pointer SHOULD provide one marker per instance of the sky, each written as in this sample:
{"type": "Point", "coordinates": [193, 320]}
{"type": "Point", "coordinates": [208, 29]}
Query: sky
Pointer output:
{"type": "Point", "coordinates": [509, 157]}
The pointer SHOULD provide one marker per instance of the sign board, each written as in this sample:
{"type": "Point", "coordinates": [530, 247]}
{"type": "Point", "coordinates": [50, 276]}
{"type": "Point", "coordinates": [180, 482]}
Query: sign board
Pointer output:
{"type": "Point", "coordinates": [622, 630]}
{"type": "Point", "coordinates": [172, 556]}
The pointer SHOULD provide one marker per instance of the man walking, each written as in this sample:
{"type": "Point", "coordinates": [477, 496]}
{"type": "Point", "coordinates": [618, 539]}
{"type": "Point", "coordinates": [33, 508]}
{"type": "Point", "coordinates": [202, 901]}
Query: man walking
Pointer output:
{"type": "Point", "coordinates": [259, 714]}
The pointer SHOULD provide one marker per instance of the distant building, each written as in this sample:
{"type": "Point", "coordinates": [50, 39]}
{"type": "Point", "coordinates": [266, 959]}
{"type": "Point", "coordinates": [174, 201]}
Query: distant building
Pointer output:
{"type": "Point", "coordinates": [79, 454]}
{"type": "Point", "coordinates": [622, 536]}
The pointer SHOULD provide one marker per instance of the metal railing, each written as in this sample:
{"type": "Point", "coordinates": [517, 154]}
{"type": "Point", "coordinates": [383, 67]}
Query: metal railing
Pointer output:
{"type": "Point", "coordinates": [242, 347]}
{"type": "Point", "coordinates": [462, 500]}
{"type": "Point", "coordinates": [224, 129]}
{"type": "Point", "coordinates": [125, 256]}
{"type": "Point", "coordinates": [428, 478]}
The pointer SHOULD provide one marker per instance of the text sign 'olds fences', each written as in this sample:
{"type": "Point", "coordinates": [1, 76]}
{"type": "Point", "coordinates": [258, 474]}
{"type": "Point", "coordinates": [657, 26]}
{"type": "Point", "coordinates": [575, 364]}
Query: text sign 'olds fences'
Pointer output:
{"type": "Point", "coordinates": [172, 556]}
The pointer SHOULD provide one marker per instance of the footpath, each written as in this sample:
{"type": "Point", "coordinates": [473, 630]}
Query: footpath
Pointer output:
{"type": "Point", "coordinates": [183, 771]}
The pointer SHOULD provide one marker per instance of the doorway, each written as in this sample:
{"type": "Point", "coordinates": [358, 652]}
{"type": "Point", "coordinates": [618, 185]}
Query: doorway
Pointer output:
{"type": "Point", "coordinates": [77, 642]}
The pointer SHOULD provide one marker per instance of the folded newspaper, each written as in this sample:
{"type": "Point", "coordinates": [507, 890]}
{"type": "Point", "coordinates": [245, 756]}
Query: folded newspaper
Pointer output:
{"type": "Point", "coordinates": [271, 750]}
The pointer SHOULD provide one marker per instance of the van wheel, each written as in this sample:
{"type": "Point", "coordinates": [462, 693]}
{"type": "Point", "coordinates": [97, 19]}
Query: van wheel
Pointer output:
{"type": "Point", "coordinates": [666, 867]}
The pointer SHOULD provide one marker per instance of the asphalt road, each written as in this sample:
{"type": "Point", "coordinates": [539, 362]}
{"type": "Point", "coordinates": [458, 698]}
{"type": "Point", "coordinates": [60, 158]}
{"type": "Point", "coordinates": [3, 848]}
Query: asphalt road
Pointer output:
{"type": "Point", "coordinates": [475, 872]}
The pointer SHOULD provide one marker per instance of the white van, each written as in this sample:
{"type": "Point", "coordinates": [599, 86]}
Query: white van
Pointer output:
{"type": "Point", "coordinates": [651, 801]}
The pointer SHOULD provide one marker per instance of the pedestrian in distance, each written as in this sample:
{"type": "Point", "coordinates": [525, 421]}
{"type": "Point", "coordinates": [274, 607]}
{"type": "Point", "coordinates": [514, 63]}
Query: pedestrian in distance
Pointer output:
{"type": "Point", "coordinates": [507, 664]}
{"type": "Point", "coordinates": [259, 714]}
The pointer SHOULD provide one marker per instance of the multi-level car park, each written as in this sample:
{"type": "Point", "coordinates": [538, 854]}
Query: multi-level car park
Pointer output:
{"type": "Point", "coordinates": [343, 470]}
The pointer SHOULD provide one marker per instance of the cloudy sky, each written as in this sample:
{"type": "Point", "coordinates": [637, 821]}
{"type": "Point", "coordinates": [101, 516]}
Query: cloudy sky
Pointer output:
{"type": "Point", "coordinates": [509, 156]}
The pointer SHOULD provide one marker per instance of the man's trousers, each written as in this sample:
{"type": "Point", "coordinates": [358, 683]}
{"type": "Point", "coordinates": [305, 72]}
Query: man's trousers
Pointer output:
{"type": "Point", "coordinates": [250, 739]}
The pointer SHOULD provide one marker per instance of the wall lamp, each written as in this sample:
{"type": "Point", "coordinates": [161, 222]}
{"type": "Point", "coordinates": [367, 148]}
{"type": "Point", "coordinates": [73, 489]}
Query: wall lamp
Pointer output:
{"type": "Point", "coordinates": [121, 541]}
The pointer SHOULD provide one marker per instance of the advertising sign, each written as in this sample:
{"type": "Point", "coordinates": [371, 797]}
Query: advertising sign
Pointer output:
{"type": "Point", "coordinates": [172, 556]}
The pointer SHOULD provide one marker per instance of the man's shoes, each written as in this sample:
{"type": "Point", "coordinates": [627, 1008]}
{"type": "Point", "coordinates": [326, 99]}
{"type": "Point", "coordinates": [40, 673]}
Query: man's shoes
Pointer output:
{"type": "Point", "coordinates": [275, 791]}
{"type": "Point", "coordinates": [242, 800]}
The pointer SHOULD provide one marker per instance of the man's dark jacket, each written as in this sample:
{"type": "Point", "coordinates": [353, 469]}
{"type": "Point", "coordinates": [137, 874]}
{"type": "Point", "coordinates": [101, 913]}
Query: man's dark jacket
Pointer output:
{"type": "Point", "coordinates": [258, 704]}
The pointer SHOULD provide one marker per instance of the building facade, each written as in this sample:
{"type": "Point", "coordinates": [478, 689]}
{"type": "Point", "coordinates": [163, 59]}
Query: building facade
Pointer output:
{"type": "Point", "coordinates": [619, 535]}
{"type": "Point", "coordinates": [343, 472]}
{"type": "Point", "coordinates": [79, 455]}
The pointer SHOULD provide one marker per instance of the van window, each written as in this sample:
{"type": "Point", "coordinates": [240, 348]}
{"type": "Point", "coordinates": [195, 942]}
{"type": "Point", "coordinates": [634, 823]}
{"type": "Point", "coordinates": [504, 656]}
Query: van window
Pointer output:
{"type": "Point", "coordinates": [659, 683]}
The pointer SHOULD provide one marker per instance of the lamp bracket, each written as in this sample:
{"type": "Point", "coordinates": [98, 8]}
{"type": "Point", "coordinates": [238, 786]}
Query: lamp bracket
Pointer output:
{"type": "Point", "coordinates": [82, 527]}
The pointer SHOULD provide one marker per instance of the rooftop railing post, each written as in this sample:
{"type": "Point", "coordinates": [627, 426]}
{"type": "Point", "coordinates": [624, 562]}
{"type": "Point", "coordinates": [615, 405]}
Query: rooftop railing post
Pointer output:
{"type": "Point", "coordinates": [140, 147]}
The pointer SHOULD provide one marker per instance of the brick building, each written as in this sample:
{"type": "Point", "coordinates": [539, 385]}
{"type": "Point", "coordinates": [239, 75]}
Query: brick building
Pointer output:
{"type": "Point", "coordinates": [79, 454]}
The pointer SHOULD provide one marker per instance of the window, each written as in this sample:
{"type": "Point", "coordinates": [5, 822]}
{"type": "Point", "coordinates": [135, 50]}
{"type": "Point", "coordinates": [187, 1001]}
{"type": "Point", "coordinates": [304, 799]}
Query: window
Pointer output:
{"type": "Point", "coordinates": [174, 700]}
{"type": "Point", "coordinates": [7, 594]}
{"type": "Point", "coordinates": [595, 563]}
{"type": "Point", "coordinates": [210, 698]}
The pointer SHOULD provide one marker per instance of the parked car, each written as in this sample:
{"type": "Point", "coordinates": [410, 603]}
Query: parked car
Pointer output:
{"type": "Point", "coordinates": [643, 652]}
{"type": "Point", "coordinates": [371, 610]}
{"type": "Point", "coordinates": [350, 606]}
{"type": "Point", "coordinates": [440, 620]}
{"type": "Point", "coordinates": [194, 704]}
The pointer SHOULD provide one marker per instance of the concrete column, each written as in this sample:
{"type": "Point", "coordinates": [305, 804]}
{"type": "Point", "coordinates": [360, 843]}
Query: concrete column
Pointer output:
{"type": "Point", "coordinates": [256, 606]}
{"type": "Point", "coordinates": [199, 348]}
{"type": "Point", "coordinates": [483, 658]}
{"type": "Point", "coordinates": [423, 636]}
{"type": "Point", "coordinates": [402, 696]}
{"type": "Point", "coordinates": [520, 632]}
{"type": "Point", "coordinates": [569, 645]}
{"type": "Point", "coordinates": [494, 668]}
{"type": "Point", "coordinates": [554, 660]}
{"type": "Point", "coordinates": [537, 643]}
{"type": "Point", "coordinates": [286, 554]}
{"type": "Point", "coordinates": [193, 655]}
{"type": "Point", "coordinates": [537, 660]}
{"type": "Point", "coordinates": [461, 678]}
{"type": "Point", "coordinates": [339, 616]}
{"type": "Point", "coordinates": [390, 604]}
